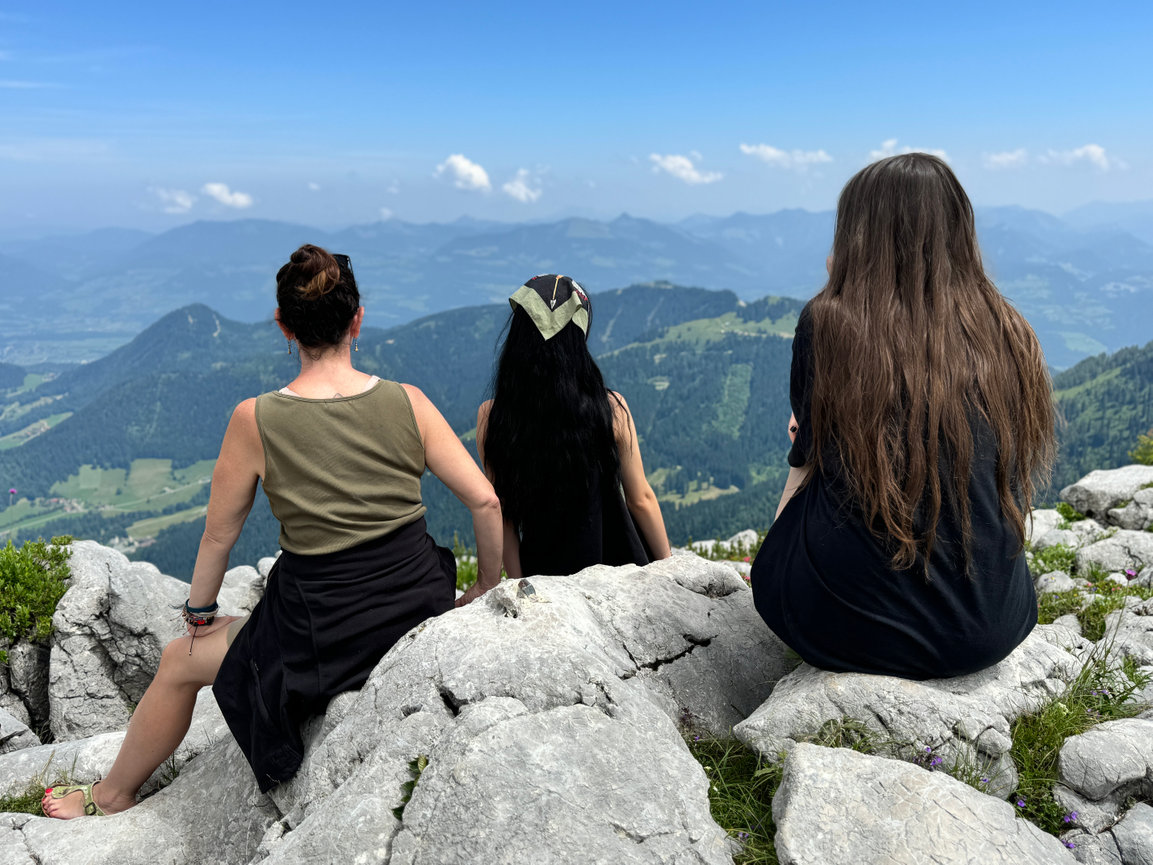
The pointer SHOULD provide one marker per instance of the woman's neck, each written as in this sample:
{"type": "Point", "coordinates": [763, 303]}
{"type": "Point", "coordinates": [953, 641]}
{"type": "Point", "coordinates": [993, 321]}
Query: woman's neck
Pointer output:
{"type": "Point", "coordinates": [327, 374]}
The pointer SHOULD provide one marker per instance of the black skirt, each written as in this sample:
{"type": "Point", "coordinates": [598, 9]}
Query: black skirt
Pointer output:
{"type": "Point", "coordinates": [323, 624]}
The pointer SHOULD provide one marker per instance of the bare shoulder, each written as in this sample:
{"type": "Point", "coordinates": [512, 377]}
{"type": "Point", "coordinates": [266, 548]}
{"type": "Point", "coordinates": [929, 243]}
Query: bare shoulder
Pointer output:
{"type": "Point", "coordinates": [416, 397]}
{"type": "Point", "coordinates": [245, 412]}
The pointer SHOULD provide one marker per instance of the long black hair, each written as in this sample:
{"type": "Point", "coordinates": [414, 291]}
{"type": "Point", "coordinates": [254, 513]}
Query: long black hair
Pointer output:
{"type": "Point", "coordinates": [550, 428]}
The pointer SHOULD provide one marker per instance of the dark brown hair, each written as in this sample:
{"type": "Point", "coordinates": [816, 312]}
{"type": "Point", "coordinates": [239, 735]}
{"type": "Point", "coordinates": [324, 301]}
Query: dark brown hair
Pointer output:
{"type": "Point", "coordinates": [912, 342]}
{"type": "Point", "coordinates": [317, 297]}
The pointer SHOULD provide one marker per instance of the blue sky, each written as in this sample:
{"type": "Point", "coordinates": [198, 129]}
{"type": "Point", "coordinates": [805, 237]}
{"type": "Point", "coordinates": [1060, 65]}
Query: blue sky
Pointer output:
{"type": "Point", "coordinates": [152, 115]}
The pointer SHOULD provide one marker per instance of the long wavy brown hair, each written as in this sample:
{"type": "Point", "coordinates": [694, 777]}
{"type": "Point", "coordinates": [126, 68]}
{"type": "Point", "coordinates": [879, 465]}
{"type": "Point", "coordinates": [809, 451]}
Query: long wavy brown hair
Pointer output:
{"type": "Point", "coordinates": [912, 344]}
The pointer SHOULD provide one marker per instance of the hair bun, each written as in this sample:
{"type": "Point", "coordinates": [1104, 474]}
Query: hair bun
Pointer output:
{"type": "Point", "coordinates": [314, 272]}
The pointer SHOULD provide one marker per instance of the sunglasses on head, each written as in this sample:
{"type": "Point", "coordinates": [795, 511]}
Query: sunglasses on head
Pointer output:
{"type": "Point", "coordinates": [343, 261]}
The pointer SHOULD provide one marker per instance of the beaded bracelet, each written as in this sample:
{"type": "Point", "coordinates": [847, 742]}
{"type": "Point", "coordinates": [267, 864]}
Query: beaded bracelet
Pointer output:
{"type": "Point", "coordinates": [199, 617]}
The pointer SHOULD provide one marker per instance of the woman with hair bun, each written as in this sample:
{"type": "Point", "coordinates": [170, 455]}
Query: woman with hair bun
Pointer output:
{"type": "Point", "coordinates": [561, 448]}
{"type": "Point", "coordinates": [340, 454]}
{"type": "Point", "coordinates": [922, 420]}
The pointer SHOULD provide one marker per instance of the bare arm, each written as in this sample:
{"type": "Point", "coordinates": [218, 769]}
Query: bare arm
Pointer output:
{"type": "Point", "coordinates": [447, 458]}
{"type": "Point", "coordinates": [797, 477]}
{"type": "Point", "coordinates": [639, 496]}
{"type": "Point", "coordinates": [239, 466]}
{"type": "Point", "coordinates": [511, 538]}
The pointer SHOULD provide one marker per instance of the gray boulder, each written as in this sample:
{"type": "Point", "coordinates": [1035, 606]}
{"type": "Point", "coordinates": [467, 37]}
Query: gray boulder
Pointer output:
{"type": "Point", "coordinates": [1134, 835]}
{"type": "Point", "coordinates": [1039, 522]}
{"type": "Point", "coordinates": [1058, 537]}
{"type": "Point", "coordinates": [1124, 549]}
{"type": "Point", "coordinates": [964, 720]}
{"type": "Point", "coordinates": [1102, 767]}
{"type": "Point", "coordinates": [1136, 514]}
{"type": "Point", "coordinates": [14, 733]}
{"type": "Point", "coordinates": [838, 806]}
{"type": "Point", "coordinates": [1131, 630]}
{"type": "Point", "coordinates": [1092, 849]}
{"type": "Point", "coordinates": [1100, 491]}
{"type": "Point", "coordinates": [1053, 582]}
{"type": "Point", "coordinates": [109, 631]}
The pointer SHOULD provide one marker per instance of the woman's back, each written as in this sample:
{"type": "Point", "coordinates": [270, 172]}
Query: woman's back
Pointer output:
{"type": "Point", "coordinates": [343, 470]}
{"type": "Point", "coordinates": [923, 419]}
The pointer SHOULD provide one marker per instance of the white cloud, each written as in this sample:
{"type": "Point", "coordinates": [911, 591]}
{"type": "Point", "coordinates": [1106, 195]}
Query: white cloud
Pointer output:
{"type": "Point", "coordinates": [465, 173]}
{"type": "Point", "coordinates": [522, 187]}
{"type": "Point", "coordinates": [174, 200]}
{"type": "Point", "coordinates": [1006, 159]}
{"type": "Point", "coordinates": [385, 214]}
{"type": "Point", "coordinates": [889, 148]}
{"type": "Point", "coordinates": [313, 186]}
{"type": "Point", "coordinates": [226, 196]}
{"type": "Point", "coordinates": [682, 168]}
{"type": "Point", "coordinates": [799, 160]}
{"type": "Point", "coordinates": [1092, 153]}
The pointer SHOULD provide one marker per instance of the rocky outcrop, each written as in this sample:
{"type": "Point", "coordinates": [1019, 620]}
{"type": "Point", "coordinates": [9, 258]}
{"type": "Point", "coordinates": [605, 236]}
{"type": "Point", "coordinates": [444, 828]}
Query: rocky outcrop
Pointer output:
{"type": "Point", "coordinates": [963, 722]}
{"type": "Point", "coordinates": [1099, 492]}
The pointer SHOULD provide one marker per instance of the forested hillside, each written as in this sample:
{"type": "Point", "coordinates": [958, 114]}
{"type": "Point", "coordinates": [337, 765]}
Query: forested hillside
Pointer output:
{"type": "Point", "coordinates": [123, 447]}
{"type": "Point", "coordinates": [1104, 402]}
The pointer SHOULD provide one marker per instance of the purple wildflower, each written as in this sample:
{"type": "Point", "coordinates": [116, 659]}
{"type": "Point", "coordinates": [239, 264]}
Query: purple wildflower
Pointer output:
{"type": "Point", "coordinates": [984, 780]}
{"type": "Point", "coordinates": [1070, 845]}
{"type": "Point", "coordinates": [1130, 574]}
{"type": "Point", "coordinates": [1070, 817]}
{"type": "Point", "coordinates": [1020, 803]}
{"type": "Point", "coordinates": [936, 761]}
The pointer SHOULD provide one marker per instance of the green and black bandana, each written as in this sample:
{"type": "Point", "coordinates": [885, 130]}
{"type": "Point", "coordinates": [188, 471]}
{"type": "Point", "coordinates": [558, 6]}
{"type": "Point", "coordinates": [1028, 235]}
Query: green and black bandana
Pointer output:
{"type": "Point", "coordinates": [552, 301]}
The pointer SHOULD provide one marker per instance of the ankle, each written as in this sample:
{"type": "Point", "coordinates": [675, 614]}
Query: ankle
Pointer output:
{"type": "Point", "coordinates": [110, 799]}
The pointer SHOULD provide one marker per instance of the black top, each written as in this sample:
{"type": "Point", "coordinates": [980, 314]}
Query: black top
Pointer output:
{"type": "Point", "coordinates": [572, 539]}
{"type": "Point", "coordinates": [826, 586]}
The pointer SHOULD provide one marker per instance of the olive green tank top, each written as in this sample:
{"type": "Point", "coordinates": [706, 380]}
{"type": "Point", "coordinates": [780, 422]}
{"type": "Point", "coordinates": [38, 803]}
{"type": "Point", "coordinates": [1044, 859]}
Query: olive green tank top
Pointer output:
{"type": "Point", "coordinates": [341, 471]}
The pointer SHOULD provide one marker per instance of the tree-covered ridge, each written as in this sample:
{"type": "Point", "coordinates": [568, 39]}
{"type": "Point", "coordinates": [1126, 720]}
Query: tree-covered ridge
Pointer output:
{"type": "Point", "coordinates": [1104, 404]}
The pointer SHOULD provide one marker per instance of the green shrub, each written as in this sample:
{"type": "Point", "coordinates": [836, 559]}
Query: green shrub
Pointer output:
{"type": "Point", "coordinates": [32, 581]}
{"type": "Point", "coordinates": [1143, 451]}
{"type": "Point", "coordinates": [1055, 558]}
{"type": "Point", "coordinates": [1069, 513]}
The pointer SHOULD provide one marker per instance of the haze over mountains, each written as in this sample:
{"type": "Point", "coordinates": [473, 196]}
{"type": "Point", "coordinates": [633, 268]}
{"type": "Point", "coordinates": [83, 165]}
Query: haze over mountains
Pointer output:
{"type": "Point", "coordinates": [1085, 282]}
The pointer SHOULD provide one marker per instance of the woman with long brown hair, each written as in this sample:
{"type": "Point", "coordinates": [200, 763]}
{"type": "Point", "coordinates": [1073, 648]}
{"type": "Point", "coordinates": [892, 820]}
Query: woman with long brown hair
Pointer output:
{"type": "Point", "coordinates": [922, 423]}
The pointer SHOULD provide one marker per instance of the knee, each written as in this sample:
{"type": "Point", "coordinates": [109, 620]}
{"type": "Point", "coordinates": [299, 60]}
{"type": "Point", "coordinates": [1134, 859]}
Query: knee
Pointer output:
{"type": "Point", "coordinates": [173, 661]}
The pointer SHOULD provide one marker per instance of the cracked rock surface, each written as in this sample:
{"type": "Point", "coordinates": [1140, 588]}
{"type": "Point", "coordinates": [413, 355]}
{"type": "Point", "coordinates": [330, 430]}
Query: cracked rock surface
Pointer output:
{"type": "Point", "coordinates": [965, 719]}
{"type": "Point", "coordinates": [1102, 490]}
{"type": "Point", "coordinates": [838, 806]}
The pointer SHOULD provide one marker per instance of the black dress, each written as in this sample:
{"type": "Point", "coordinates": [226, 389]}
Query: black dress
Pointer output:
{"type": "Point", "coordinates": [824, 583]}
{"type": "Point", "coordinates": [574, 538]}
{"type": "Point", "coordinates": [323, 624]}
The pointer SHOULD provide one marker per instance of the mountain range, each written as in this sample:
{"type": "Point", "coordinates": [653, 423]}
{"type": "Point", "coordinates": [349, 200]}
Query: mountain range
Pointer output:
{"type": "Point", "coordinates": [1085, 282]}
{"type": "Point", "coordinates": [123, 446]}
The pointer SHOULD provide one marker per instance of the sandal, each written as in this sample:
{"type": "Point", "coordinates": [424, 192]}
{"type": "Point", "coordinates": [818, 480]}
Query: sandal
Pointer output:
{"type": "Point", "coordinates": [91, 809]}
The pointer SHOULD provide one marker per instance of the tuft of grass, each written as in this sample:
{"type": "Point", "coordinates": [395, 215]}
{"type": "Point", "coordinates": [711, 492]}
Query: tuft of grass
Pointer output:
{"type": "Point", "coordinates": [845, 733]}
{"type": "Point", "coordinates": [23, 803]}
{"type": "Point", "coordinates": [1053, 605]}
{"type": "Point", "coordinates": [32, 581]}
{"type": "Point", "coordinates": [415, 768]}
{"type": "Point", "coordinates": [1068, 513]}
{"type": "Point", "coordinates": [741, 790]}
{"type": "Point", "coordinates": [466, 563]}
{"type": "Point", "coordinates": [1110, 597]}
{"type": "Point", "coordinates": [1103, 691]}
{"type": "Point", "coordinates": [1059, 557]}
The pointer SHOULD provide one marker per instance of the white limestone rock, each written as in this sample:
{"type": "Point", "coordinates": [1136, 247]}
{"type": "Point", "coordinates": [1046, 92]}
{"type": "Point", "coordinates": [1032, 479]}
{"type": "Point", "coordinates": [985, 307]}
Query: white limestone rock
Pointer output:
{"type": "Point", "coordinates": [1039, 522]}
{"type": "Point", "coordinates": [838, 806]}
{"type": "Point", "coordinates": [964, 720]}
{"type": "Point", "coordinates": [1058, 537]}
{"type": "Point", "coordinates": [212, 812]}
{"type": "Point", "coordinates": [1122, 550]}
{"type": "Point", "coordinates": [1134, 835]}
{"type": "Point", "coordinates": [1091, 849]}
{"type": "Point", "coordinates": [1131, 630]}
{"type": "Point", "coordinates": [1053, 582]}
{"type": "Point", "coordinates": [109, 631]}
{"type": "Point", "coordinates": [1102, 767]}
{"type": "Point", "coordinates": [1136, 514]}
{"type": "Point", "coordinates": [1099, 491]}
{"type": "Point", "coordinates": [14, 733]}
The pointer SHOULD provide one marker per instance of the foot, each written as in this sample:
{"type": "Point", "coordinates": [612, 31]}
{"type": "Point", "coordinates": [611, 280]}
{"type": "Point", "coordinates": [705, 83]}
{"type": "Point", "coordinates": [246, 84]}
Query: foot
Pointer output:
{"type": "Point", "coordinates": [72, 804]}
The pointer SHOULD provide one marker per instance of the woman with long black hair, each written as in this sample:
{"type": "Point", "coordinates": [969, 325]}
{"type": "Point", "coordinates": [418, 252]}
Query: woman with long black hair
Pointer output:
{"type": "Point", "coordinates": [560, 448]}
{"type": "Point", "coordinates": [922, 422]}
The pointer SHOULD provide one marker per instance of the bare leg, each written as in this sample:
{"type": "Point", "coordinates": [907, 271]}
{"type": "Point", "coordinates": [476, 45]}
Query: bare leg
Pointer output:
{"type": "Point", "coordinates": [157, 726]}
